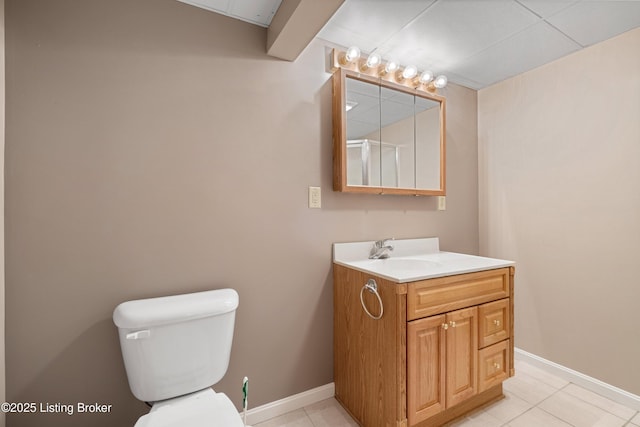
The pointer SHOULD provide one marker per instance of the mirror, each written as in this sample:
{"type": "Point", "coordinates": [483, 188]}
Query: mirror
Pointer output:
{"type": "Point", "coordinates": [388, 138]}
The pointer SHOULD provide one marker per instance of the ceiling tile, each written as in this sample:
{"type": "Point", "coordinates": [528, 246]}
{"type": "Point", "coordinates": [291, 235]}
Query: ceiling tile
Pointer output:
{"type": "Point", "coordinates": [220, 6]}
{"type": "Point", "coordinates": [474, 42]}
{"type": "Point", "coordinates": [589, 22]}
{"type": "Point", "coordinates": [465, 81]}
{"type": "Point", "coordinates": [451, 31]}
{"type": "Point", "coordinates": [259, 12]}
{"type": "Point", "coordinates": [546, 8]}
{"type": "Point", "coordinates": [535, 46]}
{"type": "Point", "coordinates": [368, 24]}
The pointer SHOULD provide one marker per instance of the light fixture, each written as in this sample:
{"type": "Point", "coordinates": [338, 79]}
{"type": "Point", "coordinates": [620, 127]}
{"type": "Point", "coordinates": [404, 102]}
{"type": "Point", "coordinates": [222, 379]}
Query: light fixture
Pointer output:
{"type": "Point", "coordinates": [408, 73]}
{"type": "Point", "coordinates": [425, 77]}
{"type": "Point", "coordinates": [372, 61]}
{"type": "Point", "coordinates": [352, 54]}
{"type": "Point", "coordinates": [440, 81]}
{"type": "Point", "coordinates": [391, 70]}
{"type": "Point", "coordinates": [390, 67]}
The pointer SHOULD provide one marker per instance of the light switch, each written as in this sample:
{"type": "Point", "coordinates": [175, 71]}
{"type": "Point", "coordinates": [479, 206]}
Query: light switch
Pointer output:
{"type": "Point", "coordinates": [315, 197]}
{"type": "Point", "coordinates": [442, 203]}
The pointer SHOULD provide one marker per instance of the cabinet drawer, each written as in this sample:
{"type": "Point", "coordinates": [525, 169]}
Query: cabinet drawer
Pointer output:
{"type": "Point", "coordinates": [494, 322]}
{"type": "Point", "coordinates": [493, 365]}
{"type": "Point", "coordinates": [435, 296]}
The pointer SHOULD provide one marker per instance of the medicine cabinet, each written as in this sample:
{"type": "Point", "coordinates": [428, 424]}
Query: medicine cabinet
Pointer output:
{"type": "Point", "coordinates": [388, 138]}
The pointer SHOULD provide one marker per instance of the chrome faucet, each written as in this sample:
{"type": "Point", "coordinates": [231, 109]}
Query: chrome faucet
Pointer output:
{"type": "Point", "coordinates": [380, 249]}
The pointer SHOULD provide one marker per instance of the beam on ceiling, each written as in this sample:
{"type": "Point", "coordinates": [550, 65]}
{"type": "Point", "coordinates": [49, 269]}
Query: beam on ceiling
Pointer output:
{"type": "Point", "coordinates": [295, 24]}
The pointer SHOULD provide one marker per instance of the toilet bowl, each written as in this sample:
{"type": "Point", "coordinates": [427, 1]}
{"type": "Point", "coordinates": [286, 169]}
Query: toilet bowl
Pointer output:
{"type": "Point", "coordinates": [174, 349]}
{"type": "Point", "coordinates": [204, 408]}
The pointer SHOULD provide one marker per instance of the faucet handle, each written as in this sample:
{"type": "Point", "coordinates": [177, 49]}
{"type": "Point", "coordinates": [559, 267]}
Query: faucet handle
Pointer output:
{"type": "Point", "coordinates": [384, 242]}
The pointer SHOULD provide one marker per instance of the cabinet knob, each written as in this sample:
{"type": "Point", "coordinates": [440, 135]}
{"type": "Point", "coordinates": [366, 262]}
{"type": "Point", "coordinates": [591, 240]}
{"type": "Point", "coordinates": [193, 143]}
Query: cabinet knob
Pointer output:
{"type": "Point", "coordinates": [496, 322]}
{"type": "Point", "coordinates": [453, 324]}
{"type": "Point", "coordinates": [445, 326]}
{"type": "Point", "coordinates": [496, 365]}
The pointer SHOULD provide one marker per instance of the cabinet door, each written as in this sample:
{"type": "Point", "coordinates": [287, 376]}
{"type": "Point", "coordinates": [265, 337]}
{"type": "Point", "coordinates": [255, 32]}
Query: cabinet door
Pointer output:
{"type": "Point", "coordinates": [462, 355]}
{"type": "Point", "coordinates": [425, 368]}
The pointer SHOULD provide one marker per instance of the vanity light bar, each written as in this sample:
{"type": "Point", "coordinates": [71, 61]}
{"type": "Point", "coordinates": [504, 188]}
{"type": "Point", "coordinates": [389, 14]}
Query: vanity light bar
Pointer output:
{"type": "Point", "coordinates": [390, 70]}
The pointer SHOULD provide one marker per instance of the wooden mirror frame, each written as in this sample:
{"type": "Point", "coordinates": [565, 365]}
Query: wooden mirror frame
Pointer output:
{"type": "Point", "coordinates": [340, 135]}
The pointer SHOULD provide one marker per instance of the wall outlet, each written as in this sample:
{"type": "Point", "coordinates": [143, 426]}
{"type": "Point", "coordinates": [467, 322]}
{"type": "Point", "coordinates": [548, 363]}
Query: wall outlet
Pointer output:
{"type": "Point", "coordinates": [315, 197]}
{"type": "Point", "coordinates": [442, 203]}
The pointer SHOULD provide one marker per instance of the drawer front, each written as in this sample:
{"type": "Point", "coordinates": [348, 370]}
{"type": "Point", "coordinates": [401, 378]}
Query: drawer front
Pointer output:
{"type": "Point", "coordinates": [435, 296]}
{"type": "Point", "coordinates": [494, 321]}
{"type": "Point", "coordinates": [493, 365]}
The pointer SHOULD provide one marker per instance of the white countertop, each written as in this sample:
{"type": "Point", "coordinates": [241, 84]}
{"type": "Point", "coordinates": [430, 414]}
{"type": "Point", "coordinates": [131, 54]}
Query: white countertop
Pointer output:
{"type": "Point", "coordinates": [412, 260]}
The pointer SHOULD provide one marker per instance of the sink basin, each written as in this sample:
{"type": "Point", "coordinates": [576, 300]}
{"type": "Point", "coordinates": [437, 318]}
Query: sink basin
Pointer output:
{"type": "Point", "coordinates": [412, 260]}
{"type": "Point", "coordinates": [404, 264]}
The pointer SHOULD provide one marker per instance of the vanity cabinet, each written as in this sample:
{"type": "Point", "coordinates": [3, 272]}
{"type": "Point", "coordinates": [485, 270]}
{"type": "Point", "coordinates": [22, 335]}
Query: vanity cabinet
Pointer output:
{"type": "Point", "coordinates": [442, 347]}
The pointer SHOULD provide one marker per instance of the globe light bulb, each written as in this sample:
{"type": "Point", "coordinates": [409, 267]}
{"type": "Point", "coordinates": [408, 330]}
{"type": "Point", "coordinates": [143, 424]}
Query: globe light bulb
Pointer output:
{"type": "Point", "coordinates": [392, 65]}
{"type": "Point", "coordinates": [352, 54]}
{"type": "Point", "coordinates": [426, 77]}
{"type": "Point", "coordinates": [409, 72]}
{"type": "Point", "coordinates": [440, 81]}
{"type": "Point", "coordinates": [373, 60]}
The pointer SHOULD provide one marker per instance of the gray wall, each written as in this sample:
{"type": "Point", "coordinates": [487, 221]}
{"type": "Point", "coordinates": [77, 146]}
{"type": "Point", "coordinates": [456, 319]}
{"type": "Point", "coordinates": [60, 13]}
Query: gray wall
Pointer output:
{"type": "Point", "coordinates": [559, 193]}
{"type": "Point", "coordinates": [2, 310]}
{"type": "Point", "coordinates": [152, 148]}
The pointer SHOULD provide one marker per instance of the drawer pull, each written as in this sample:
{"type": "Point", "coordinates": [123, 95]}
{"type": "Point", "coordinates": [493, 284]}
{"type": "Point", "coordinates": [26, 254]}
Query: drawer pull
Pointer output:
{"type": "Point", "coordinates": [496, 322]}
{"type": "Point", "coordinates": [453, 324]}
{"type": "Point", "coordinates": [445, 326]}
{"type": "Point", "coordinates": [372, 287]}
{"type": "Point", "coordinates": [496, 365]}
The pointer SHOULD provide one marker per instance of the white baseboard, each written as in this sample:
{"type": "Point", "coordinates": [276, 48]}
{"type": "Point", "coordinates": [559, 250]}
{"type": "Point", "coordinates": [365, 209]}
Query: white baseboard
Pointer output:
{"type": "Point", "coordinates": [291, 403]}
{"type": "Point", "coordinates": [309, 397]}
{"type": "Point", "coordinates": [607, 390]}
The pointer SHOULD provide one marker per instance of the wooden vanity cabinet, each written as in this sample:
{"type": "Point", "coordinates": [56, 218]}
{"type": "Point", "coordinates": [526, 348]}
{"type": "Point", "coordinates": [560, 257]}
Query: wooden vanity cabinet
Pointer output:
{"type": "Point", "coordinates": [442, 347]}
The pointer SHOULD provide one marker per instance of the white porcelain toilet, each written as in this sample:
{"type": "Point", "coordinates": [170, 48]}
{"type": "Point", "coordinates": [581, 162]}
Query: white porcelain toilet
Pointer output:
{"type": "Point", "coordinates": [174, 349]}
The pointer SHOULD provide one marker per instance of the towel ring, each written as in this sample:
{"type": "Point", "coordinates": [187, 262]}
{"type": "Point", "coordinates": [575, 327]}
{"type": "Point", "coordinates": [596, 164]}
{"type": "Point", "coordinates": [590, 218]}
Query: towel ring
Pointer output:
{"type": "Point", "coordinates": [372, 287]}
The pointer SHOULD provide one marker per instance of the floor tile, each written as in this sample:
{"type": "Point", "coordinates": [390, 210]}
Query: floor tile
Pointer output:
{"type": "Point", "coordinates": [477, 419]}
{"type": "Point", "coordinates": [600, 401]}
{"type": "Point", "coordinates": [539, 374]}
{"type": "Point", "coordinates": [533, 398]}
{"type": "Point", "coordinates": [508, 408]}
{"type": "Point", "coordinates": [578, 412]}
{"type": "Point", "coordinates": [528, 388]}
{"type": "Point", "coordinates": [297, 418]}
{"type": "Point", "coordinates": [329, 413]}
{"type": "Point", "coordinates": [537, 417]}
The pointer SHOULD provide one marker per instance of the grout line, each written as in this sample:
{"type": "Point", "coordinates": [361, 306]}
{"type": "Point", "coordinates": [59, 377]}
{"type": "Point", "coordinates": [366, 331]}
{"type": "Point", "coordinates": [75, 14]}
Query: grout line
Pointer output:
{"type": "Point", "coordinates": [556, 391]}
{"type": "Point", "coordinates": [632, 417]}
{"type": "Point", "coordinates": [557, 418]}
{"type": "Point", "coordinates": [596, 406]}
{"type": "Point", "coordinates": [304, 408]}
{"type": "Point", "coordinates": [609, 391]}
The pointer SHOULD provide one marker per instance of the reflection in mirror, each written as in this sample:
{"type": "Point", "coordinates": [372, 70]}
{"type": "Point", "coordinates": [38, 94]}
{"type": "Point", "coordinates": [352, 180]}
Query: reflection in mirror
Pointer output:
{"type": "Point", "coordinates": [393, 139]}
{"type": "Point", "coordinates": [397, 134]}
{"type": "Point", "coordinates": [363, 133]}
{"type": "Point", "coordinates": [427, 153]}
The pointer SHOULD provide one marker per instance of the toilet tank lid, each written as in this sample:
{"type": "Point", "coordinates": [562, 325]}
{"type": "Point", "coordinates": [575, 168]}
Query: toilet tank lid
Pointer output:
{"type": "Point", "coordinates": [144, 313]}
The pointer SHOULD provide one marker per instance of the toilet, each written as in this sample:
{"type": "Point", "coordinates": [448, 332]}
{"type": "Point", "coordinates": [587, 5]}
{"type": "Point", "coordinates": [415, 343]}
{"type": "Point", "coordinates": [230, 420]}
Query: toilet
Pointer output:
{"type": "Point", "coordinates": [174, 349]}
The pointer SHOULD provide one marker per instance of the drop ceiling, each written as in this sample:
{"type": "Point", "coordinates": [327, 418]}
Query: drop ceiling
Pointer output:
{"type": "Point", "coordinates": [476, 43]}
{"type": "Point", "coordinates": [259, 12]}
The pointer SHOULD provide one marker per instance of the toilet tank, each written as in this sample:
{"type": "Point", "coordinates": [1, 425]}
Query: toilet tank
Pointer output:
{"type": "Point", "coordinates": [178, 344]}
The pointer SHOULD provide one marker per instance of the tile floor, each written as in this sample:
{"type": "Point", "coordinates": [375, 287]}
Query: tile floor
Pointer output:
{"type": "Point", "coordinates": [533, 398]}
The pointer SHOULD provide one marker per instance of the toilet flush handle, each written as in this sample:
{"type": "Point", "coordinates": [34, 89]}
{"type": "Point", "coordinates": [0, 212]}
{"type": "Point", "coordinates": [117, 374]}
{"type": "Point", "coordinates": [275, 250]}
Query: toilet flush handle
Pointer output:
{"type": "Point", "coordinates": [138, 335]}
